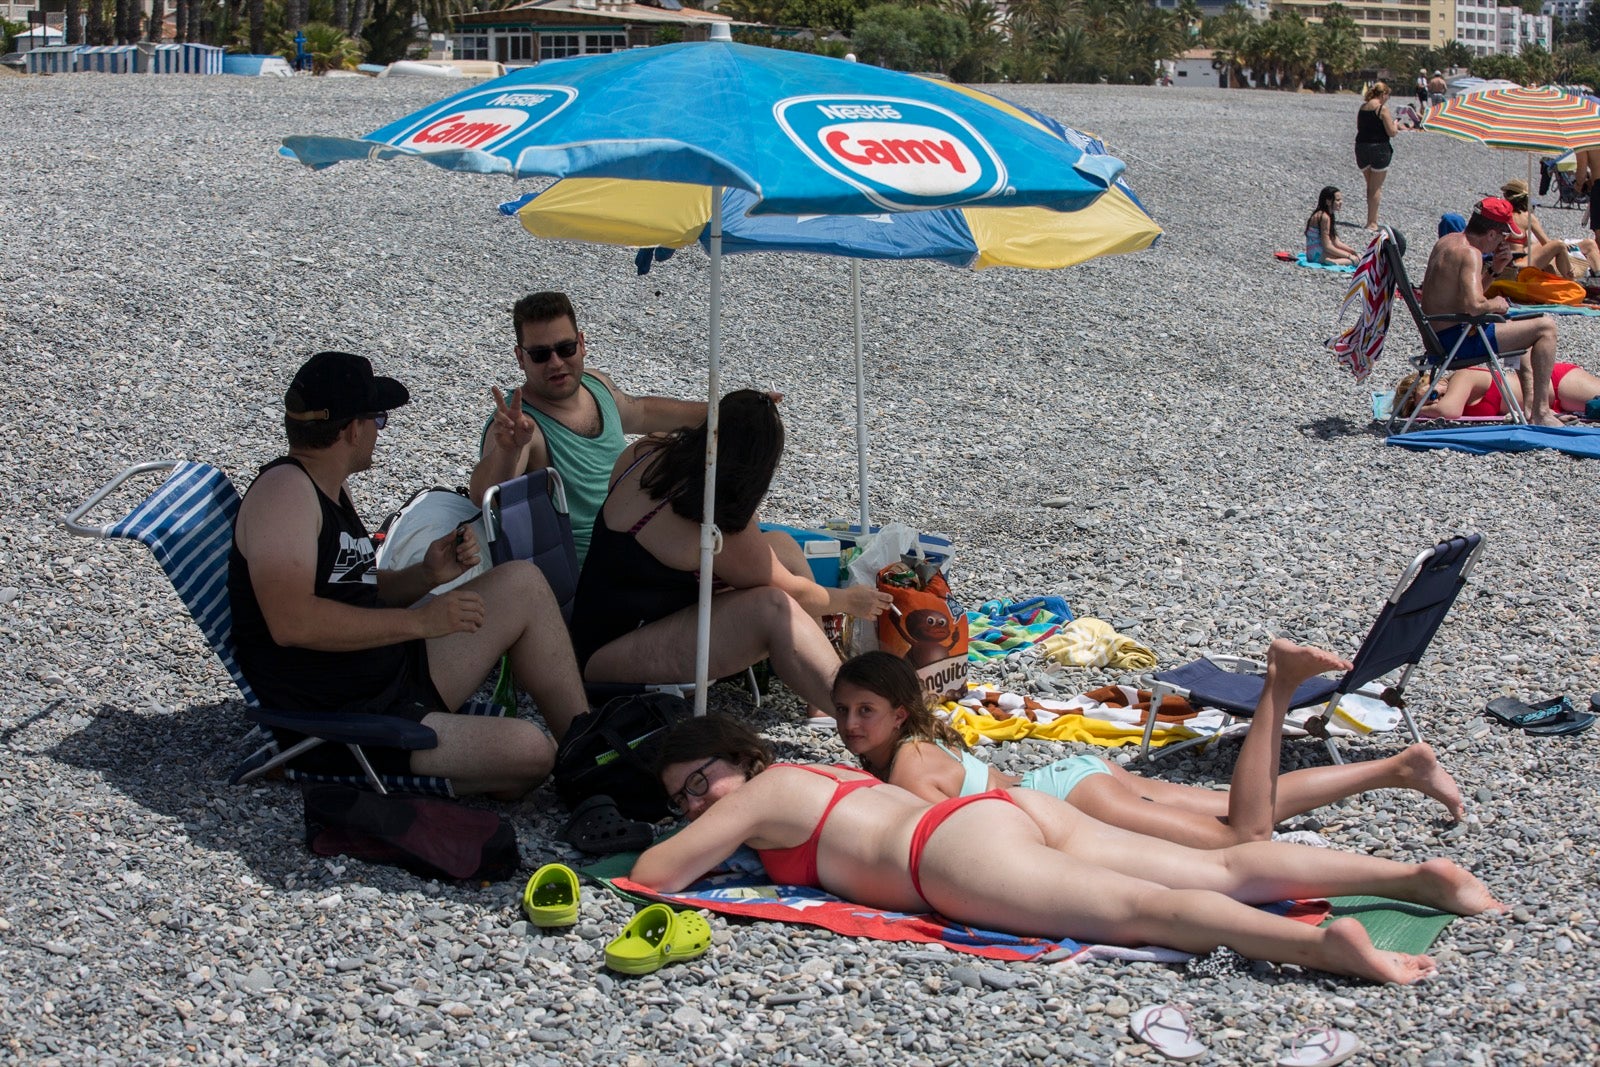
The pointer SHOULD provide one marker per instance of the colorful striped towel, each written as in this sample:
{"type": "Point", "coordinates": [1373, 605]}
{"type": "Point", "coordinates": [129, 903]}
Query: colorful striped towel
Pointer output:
{"type": "Point", "coordinates": [1000, 627]}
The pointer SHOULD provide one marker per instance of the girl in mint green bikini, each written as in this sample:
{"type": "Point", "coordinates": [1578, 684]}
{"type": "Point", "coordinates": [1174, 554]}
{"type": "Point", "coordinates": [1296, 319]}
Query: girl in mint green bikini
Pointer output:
{"type": "Point", "coordinates": [884, 719]}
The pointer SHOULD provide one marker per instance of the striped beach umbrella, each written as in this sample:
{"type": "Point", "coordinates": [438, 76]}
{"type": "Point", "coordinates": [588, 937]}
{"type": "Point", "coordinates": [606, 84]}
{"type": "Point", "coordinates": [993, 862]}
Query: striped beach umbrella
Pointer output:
{"type": "Point", "coordinates": [1524, 120]}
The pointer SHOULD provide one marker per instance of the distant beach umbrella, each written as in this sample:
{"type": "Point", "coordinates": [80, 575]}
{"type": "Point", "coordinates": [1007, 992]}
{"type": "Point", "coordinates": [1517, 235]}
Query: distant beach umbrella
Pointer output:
{"type": "Point", "coordinates": [1524, 120]}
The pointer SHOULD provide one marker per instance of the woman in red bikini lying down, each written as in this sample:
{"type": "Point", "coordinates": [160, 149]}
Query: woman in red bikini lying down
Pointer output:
{"type": "Point", "coordinates": [1471, 392]}
{"type": "Point", "coordinates": [1022, 861]}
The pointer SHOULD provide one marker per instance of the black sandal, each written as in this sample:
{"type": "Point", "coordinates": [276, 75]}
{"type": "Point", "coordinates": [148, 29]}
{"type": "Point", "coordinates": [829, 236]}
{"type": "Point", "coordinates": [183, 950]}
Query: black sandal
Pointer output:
{"type": "Point", "coordinates": [598, 827]}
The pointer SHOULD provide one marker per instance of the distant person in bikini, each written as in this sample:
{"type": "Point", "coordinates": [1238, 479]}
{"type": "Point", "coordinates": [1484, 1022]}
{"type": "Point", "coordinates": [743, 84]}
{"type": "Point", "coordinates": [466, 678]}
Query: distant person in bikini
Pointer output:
{"type": "Point", "coordinates": [1453, 284]}
{"type": "Point", "coordinates": [1471, 392]}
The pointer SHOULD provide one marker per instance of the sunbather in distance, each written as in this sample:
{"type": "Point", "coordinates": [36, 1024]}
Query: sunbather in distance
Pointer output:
{"type": "Point", "coordinates": [1022, 861]}
{"type": "Point", "coordinates": [1535, 248]}
{"type": "Point", "coordinates": [1453, 285]}
{"type": "Point", "coordinates": [1322, 239]}
{"type": "Point", "coordinates": [1471, 392]}
{"type": "Point", "coordinates": [634, 618]}
{"type": "Point", "coordinates": [884, 719]}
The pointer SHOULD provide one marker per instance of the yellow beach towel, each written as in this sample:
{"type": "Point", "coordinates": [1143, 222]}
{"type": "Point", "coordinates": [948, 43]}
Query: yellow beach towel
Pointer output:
{"type": "Point", "coordinates": [1093, 643]}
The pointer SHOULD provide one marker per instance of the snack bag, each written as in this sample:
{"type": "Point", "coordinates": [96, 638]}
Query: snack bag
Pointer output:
{"type": "Point", "coordinates": [924, 628]}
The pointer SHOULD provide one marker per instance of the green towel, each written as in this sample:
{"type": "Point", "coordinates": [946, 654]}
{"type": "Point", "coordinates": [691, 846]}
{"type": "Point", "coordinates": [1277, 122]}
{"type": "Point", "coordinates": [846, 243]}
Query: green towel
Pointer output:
{"type": "Point", "coordinates": [1395, 926]}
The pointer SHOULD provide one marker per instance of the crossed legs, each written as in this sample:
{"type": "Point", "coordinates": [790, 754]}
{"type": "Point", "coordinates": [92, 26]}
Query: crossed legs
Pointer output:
{"type": "Point", "coordinates": [1259, 797]}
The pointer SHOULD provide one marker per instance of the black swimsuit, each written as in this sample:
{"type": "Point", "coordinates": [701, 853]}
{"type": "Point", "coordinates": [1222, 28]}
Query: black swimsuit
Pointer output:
{"type": "Point", "coordinates": [622, 586]}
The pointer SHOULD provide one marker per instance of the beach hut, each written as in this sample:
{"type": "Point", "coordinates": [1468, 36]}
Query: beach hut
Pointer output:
{"type": "Point", "coordinates": [39, 37]}
{"type": "Point", "coordinates": [51, 59]}
{"type": "Point", "coordinates": [179, 59]}
{"type": "Point", "coordinates": [109, 58]}
{"type": "Point", "coordinates": [257, 66]}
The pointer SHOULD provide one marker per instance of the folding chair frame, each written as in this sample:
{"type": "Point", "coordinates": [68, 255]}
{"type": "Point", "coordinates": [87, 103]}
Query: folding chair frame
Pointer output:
{"type": "Point", "coordinates": [1435, 359]}
{"type": "Point", "coordinates": [1372, 661]}
{"type": "Point", "coordinates": [205, 495]}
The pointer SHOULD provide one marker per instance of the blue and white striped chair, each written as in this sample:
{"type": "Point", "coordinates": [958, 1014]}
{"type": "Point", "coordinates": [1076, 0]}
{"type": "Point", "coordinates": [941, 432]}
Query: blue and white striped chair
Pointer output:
{"type": "Point", "coordinates": [188, 525]}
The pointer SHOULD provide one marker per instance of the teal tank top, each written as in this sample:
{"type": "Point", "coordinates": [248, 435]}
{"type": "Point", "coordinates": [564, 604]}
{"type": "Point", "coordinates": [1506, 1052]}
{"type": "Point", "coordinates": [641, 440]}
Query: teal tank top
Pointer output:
{"type": "Point", "coordinates": [584, 463]}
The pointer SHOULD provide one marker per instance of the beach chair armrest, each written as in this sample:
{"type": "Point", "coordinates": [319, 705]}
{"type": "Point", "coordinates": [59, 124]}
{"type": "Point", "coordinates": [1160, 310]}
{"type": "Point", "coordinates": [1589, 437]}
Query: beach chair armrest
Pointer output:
{"type": "Point", "coordinates": [1473, 320]}
{"type": "Point", "coordinates": [344, 728]}
{"type": "Point", "coordinates": [73, 519]}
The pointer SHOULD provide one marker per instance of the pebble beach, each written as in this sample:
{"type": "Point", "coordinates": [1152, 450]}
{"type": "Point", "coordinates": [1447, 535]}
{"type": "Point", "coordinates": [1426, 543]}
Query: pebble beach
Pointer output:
{"type": "Point", "coordinates": [1214, 480]}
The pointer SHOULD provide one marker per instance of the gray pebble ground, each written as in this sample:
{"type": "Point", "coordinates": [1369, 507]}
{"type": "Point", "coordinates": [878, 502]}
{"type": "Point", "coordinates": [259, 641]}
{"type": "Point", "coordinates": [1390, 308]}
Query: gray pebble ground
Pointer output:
{"type": "Point", "coordinates": [164, 273]}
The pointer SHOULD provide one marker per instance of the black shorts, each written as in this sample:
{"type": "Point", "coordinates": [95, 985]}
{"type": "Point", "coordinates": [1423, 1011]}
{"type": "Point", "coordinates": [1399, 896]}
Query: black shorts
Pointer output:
{"type": "Point", "coordinates": [1370, 155]}
{"type": "Point", "coordinates": [413, 696]}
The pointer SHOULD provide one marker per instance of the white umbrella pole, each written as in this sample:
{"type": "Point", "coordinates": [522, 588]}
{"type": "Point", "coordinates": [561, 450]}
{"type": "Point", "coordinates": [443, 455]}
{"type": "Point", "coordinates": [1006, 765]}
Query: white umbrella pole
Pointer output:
{"type": "Point", "coordinates": [710, 536]}
{"type": "Point", "coordinates": [861, 398]}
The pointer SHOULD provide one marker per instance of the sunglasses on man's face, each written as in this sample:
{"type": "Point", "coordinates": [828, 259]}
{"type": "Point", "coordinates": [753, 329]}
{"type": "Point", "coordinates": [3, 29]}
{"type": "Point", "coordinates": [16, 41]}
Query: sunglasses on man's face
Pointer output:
{"type": "Point", "coordinates": [379, 419]}
{"type": "Point", "coordinates": [542, 353]}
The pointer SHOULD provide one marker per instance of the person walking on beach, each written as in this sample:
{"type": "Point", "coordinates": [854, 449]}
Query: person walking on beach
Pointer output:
{"type": "Point", "coordinates": [1422, 90]}
{"type": "Point", "coordinates": [1452, 284]}
{"type": "Point", "coordinates": [1374, 129]}
{"type": "Point", "coordinates": [1437, 88]}
{"type": "Point", "coordinates": [318, 626]}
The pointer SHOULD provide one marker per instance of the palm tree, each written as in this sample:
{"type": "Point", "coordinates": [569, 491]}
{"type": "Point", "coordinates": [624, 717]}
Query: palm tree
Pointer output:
{"type": "Point", "coordinates": [1338, 44]}
{"type": "Point", "coordinates": [1229, 35]}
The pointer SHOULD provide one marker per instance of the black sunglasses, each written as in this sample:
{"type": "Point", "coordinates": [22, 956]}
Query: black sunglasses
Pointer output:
{"type": "Point", "coordinates": [542, 353]}
{"type": "Point", "coordinates": [695, 784]}
{"type": "Point", "coordinates": [380, 419]}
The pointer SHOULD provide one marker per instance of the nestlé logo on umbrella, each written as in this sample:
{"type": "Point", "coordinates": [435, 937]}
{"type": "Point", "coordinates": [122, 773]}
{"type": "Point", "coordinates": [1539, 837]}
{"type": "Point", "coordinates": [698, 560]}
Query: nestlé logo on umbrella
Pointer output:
{"type": "Point", "coordinates": [487, 119]}
{"type": "Point", "coordinates": [900, 153]}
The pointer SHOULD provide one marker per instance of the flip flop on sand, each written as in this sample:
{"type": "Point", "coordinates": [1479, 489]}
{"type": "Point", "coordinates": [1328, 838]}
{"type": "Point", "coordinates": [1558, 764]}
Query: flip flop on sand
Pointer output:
{"type": "Point", "coordinates": [1556, 717]}
{"type": "Point", "coordinates": [1320, 1046]}
{"type": "Point", "coordinates": [1167, 1029]}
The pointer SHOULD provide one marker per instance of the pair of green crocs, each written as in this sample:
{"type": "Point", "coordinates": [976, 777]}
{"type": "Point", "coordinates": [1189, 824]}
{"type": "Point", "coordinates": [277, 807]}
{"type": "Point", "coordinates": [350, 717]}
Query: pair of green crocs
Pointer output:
{"type": "Point", "coordinates": [656, 937]}
{"type": "Point", "coordinates": [550, 898]}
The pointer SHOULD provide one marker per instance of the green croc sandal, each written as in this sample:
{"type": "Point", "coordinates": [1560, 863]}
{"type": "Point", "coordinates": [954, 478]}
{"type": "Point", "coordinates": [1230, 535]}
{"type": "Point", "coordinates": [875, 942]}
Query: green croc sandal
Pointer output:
{"type": "Point", "coordinates": [656, 937]}
{"type": "Point", "coordinates": [637, 950]}
{"type": "Point", "coordinates": [689, 937]}
{"type": "Point", "coordinates": [551, 896]}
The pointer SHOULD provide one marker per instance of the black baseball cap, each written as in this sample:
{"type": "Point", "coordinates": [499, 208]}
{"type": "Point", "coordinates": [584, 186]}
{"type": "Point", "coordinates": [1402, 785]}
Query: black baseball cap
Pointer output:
{"type": "Point", "coordinates": [338, 385]}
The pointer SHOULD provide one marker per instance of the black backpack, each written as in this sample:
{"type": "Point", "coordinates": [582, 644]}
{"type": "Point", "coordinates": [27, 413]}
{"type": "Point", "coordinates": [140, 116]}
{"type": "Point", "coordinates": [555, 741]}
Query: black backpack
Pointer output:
{"type": "Point", "coordinates": [611, 752]}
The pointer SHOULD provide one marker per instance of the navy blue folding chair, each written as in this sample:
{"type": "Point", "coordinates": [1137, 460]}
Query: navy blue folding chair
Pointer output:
{"type": "Point", "coordinates": [1398, 639]}
{"type": "Point", "coordinates": [187, 523]}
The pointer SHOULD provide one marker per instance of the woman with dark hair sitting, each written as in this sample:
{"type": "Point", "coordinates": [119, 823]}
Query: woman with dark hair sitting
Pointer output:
{"type": "Point", "coordinates": [1021, 861]}
{"type": "Point", "coordinates": [634, 618]}
{"type": "Point", "coordinates": [1322, 240]}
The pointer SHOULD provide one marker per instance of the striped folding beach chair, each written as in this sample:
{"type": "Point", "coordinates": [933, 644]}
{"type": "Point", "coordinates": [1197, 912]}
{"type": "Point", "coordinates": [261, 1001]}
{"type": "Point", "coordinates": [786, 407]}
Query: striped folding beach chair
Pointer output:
{"type": "Point", "coordinates": [187, 523]}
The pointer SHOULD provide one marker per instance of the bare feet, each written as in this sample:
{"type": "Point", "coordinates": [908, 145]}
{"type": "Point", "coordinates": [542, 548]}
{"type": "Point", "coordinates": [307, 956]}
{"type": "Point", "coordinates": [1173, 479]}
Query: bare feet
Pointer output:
{"type": "Point", "coordinates": [1443, 885]}
{"type": "Point", "coordinates": [1420, 769]}
{"type": "Point", "coordinates": [1350, 951]}
{"type": "Point", "coordinates": [1290, 664]}
{"type": "Point", "coordinates": [1548, 419]}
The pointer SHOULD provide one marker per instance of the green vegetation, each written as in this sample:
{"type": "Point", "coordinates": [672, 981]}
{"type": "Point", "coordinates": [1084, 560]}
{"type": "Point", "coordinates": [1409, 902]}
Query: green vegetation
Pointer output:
{"type": "Point", "coordinates": [1117, 41]}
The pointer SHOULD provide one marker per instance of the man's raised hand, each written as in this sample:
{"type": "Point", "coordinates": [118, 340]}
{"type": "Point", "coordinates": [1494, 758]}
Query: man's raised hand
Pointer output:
{"type": "Point", "coordinates": [512, 428]}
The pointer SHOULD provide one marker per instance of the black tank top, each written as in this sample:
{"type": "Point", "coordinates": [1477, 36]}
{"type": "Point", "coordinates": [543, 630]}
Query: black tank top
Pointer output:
{"type": "Point", "coordinates": [362, 680]}
{"type": "Point", "coordinates": [1369, 127]}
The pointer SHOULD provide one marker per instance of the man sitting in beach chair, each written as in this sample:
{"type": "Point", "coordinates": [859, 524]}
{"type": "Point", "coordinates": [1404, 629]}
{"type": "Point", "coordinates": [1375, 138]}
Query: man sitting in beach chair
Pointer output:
{"type": "Point", "coordinates": [319, 628]}
{"type": "Point", "coordinates": [1453, 284]}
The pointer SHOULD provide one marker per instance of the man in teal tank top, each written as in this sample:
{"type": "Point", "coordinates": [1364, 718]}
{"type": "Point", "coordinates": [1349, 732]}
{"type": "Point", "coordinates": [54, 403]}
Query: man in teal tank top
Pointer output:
{"type": "Point", "coordinates": [565, 417]}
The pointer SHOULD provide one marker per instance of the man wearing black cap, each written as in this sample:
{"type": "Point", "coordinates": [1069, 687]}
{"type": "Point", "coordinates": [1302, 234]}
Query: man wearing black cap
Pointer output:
{"type": "Point", "coordinates": [1453, 284]}
{"type": "Point", "coordinates": [318, 626]}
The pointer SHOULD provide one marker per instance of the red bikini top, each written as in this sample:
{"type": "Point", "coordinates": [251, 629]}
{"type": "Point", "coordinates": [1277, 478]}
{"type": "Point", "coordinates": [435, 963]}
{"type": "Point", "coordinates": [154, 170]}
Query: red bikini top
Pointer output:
{"type": "Point", "coordinates": [798, 865]}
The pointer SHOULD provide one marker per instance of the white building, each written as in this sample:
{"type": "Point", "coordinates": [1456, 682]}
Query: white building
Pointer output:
{"type": "Point", "coordinates": [1518, 29]}
{"type": "Point", "coordinates": [1567, 10]}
